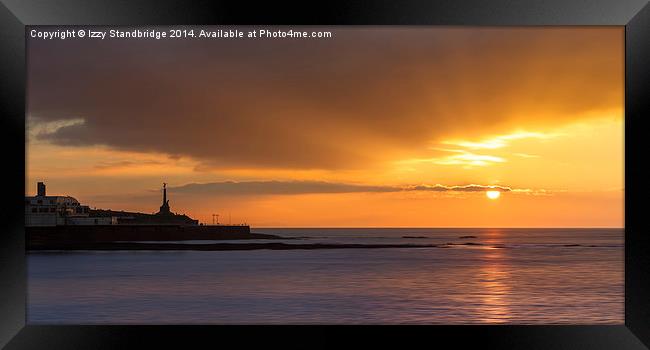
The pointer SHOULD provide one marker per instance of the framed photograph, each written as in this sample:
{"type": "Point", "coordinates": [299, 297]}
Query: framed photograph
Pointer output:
{"type": "Point", "coordinates": [439, 172]}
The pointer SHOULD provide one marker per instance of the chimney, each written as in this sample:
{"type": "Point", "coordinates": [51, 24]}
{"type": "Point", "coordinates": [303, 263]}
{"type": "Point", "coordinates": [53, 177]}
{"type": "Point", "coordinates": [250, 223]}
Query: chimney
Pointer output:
{"type": "Point", "coordinates": [41, 189]}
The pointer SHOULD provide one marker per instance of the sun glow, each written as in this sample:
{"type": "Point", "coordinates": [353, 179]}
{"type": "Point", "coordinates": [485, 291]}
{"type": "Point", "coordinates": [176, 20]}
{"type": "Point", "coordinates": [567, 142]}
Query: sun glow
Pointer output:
{"type": "Point", "coordinates": [401, 140]}
{"type": "Point", "coordinates": [493, 194]}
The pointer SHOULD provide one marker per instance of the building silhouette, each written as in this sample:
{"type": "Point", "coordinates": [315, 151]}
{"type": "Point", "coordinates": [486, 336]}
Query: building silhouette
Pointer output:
{"type": "Point", "coordinates": [43, 210]}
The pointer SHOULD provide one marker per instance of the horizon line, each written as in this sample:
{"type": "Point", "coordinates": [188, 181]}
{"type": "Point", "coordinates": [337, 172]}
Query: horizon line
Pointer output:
{"type": "Point", "coordinates": [439, 227]}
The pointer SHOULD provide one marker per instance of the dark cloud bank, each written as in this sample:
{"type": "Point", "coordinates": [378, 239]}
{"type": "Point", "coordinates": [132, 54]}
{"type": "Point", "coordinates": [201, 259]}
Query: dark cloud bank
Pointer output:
{"type": "Point", "coordinates": [325, 104]}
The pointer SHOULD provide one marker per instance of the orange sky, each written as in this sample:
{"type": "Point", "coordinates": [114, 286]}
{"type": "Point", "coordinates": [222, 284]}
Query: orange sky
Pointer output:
{"type": "Point", "coordinates": [383, 127]}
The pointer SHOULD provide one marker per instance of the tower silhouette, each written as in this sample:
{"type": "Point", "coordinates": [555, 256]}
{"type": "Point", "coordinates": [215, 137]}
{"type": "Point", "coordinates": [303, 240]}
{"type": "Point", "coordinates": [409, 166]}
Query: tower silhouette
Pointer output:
{"type": "Point", "coordinates": [164, 208]}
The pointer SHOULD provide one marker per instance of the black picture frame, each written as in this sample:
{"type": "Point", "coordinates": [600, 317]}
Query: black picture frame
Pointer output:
{"type": "Point", "coordinates": [16, 14]}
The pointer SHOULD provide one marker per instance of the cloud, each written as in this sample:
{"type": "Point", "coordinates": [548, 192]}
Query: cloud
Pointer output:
{"type": "Point", "coordinates": [313, 187]}
{"type": "Point", "coordinates": [356, 99]}
{"type": "Point", "coordinates": [464, 188]}
{"type": "Point", "coordinates": [42, 129]}
{"type": "Point", "coordinates": [468, 159]}
{"type": "Point", "coordinates": [462, 157]}
{"type": "Point", "coordinates": [500, 141]}
{"type": "Point", "coordinates": [277, 187]}
{"type": "Point", "coordinates": [526, 155]}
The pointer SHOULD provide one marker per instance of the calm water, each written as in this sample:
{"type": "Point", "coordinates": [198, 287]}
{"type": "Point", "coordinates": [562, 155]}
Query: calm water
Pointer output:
{"type": "Point", "coordinates": [518, 276]}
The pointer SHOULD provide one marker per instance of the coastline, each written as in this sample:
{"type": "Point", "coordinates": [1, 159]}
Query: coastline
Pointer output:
{"type": "Point", "coordinates": [112, 246]}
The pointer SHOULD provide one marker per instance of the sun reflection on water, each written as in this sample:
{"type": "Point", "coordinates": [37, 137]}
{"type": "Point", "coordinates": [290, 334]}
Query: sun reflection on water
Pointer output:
{"type": "Point", "coordinates": [494, 291]}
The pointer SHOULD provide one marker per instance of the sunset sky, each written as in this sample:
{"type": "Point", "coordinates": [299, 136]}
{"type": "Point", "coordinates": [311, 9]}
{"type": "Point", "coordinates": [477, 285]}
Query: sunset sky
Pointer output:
{"type": "Point", "coordinates": [375, 127]}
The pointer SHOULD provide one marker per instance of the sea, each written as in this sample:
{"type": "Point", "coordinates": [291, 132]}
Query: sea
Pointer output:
{"type": "Point", "coordinates": [472, 276]}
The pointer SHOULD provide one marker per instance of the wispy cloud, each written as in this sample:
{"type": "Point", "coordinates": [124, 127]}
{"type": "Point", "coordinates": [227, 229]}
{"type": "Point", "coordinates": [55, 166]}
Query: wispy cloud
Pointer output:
{"type": "Point", "coordinates": [526, 155]}
{"type": "Point", "coordinates": [461, 157]}
{"type": "Point", "coordinates": [468, 158]}
{"type": "Point", "coordinates": [537, 192]}
{"type": "Point", "coordinates": [499, 141]}
{"type": "Point", "coordinates": [40, 128]}
{"type": "Point", "coordinates": [463, 188]}
{"type": "Point", "coordinates": [466, 152]}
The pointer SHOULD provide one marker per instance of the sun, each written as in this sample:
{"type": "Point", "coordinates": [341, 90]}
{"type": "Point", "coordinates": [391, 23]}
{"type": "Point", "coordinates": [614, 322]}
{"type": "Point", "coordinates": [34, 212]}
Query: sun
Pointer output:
{"type": "Point", "coordinates": [493, 194]}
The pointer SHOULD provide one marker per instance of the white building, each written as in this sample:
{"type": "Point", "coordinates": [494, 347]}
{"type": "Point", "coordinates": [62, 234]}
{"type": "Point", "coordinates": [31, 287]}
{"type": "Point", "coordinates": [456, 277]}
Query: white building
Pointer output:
{"type": "Point", "coordinates": [44, 210]}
